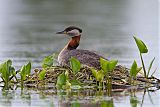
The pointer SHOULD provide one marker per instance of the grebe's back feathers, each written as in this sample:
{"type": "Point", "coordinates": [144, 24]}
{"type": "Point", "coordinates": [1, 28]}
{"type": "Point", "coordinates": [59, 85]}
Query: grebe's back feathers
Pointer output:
{"type": "Point", "coordinates": [86, 57]}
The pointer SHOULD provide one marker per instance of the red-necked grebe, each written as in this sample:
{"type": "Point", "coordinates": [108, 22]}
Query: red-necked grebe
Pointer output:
{"type": "Point", "coordinates": [86, 57]}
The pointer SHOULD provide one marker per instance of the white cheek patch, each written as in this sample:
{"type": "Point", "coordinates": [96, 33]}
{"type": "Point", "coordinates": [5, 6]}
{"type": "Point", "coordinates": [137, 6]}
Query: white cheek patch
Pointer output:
{"type": "Point", "coordinates": [74, 32]}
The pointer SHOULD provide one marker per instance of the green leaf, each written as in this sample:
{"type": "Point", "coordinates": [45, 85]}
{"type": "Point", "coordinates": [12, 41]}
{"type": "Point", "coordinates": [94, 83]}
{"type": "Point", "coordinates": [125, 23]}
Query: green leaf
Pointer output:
{"type": "Point", "coordinates": [100, 75]}
{"type": "Point", "coordinates": [107, 66]}
{"type": "Point", "coordinates": [42, 74]}
{"type": "Point", "coordinates": [28, 68]}
{"type": "Point", "coordinates": [6, 70]}
{"type": "Point", "coordinates": [23, 73]}
{"type": "Point", "coordinates": [61, 81]}
{"type": "Point", "coordinates": [141, 46]}
{"type": "Point", "coordinates": [25, 70]}
{"type": "Point", "coordinates": [112, 64]}
{"type": "Point", "coordinates": [150, 66]}
{"type": "Point", "coordinates": [94, 72]}
{"type": "Point", "coordinates": [75, 65]}
{"type": "Point", "coordinates": [104, 65]}
{"type": "Point", "coordinates": [48, 61]}
{"type": "Point", "coordinates": [12, 70]}
{"type": "Point", "coordinates": [134, 69]}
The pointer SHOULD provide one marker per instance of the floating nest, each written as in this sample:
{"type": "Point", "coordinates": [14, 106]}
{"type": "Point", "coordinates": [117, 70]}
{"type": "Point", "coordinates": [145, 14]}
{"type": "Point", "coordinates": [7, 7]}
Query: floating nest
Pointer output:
{"type": "Point", "coordinates": [120, 78]}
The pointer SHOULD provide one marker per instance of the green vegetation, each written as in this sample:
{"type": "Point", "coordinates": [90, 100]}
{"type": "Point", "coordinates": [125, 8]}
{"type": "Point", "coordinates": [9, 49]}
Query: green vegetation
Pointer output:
{"type": "Point", "coordinates": [134, 70]}
{"type": "Point", "coordinates": [48, 61]}
{"type": "Point", "coordinates": [75, 65]}
{"type": "Point", "coordinates": [143, 49]}
{"type": "Point", "coordinates": [42, 74]}
{"type": "Point", "coordinates": [24, 72]}
{"type": "Point", "coordinates": [107, 68]}
{"type": "Point", "coordinates": [109, 76]}
{"type": "Point", "coordinates": [7, 71]}
{"type": "Point", "coordinates": [63, 79]}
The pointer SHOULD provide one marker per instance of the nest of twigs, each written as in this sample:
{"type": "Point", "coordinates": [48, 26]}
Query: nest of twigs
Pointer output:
{"type": "Point", "coordinates": [120, 78]}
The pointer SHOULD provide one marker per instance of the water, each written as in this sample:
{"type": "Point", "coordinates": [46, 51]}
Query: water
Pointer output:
{"type": "Point", "coordinates": [87, 98]}
{"type": "Point", "coordinates": [27, 30]}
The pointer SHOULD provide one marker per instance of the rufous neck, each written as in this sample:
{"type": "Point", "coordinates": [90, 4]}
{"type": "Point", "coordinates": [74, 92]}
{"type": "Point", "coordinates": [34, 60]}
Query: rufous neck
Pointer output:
{"type": "Point", "coordinates": [74, 42]}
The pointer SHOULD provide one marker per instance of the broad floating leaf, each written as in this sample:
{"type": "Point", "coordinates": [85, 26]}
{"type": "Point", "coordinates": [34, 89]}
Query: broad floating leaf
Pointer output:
{"type": "Point", "coordinates": [75, 65]}
{"type": "Point", "coordinates": [141, 46]}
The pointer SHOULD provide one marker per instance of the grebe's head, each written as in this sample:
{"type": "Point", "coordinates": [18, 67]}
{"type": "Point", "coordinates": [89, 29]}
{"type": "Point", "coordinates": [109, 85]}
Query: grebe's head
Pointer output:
{"type": "Point", "coordinates": [71, 31]}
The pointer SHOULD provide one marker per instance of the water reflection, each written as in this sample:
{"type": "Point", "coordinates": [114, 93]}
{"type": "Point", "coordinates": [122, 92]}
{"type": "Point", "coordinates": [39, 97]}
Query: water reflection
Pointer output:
{"type": "Point", "coordinates": [79, 98]}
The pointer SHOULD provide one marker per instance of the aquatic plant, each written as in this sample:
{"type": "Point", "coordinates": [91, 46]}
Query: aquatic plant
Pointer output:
{"type": "Point", "coordinates": [42, 74]}
{"type": "Point", "coordinates": [143, 49]}
{"type": "Point", "coordinates": [134, 70]}
{"type": "Point", "coordinates": [75, 65]}
{"type": "Point", "coordinates": [7, 71]}
{"type": "Point", "coordinates": [98, 74]}
{"type": "Point", "coordinates": [24, 72]}
{"type": "Point", "coordinates": [63, 79]}
{"type": "Point", "coordinates": [107, 68]}
{"type": "Point", "coordinates": [72, 77]}
{"type": "Point", "coordinates": [150, 66]}
{"type": "Point", "coordinates": [48, 61]}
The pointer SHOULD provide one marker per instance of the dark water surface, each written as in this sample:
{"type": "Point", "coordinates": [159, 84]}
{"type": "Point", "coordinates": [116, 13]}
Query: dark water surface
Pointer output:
{"type": "Point", "coordinates": [27, 32]}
